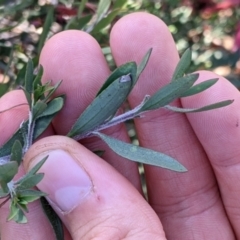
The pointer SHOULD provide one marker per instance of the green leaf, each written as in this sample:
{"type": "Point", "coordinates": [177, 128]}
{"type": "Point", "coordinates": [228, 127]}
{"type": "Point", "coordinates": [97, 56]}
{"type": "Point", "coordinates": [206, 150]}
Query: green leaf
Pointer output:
{"type": "Point", "coordinates": [6, 149]}
{"type": "Point", "coordinates": [30, 181]}
{"type": "Point", "coordinates": [102, 9]}
{"type": "Point", "coordinates": [44, 120]}
{"type": "Point", "coordinates": [199, 87]}
{"type": "Point", "coordinates": [16, 154]}
{"type": "Point", "coordinates": [125, 69]}
{"type": "Point", "coordinates": [4, 87]}
{"type": "Point", "coordinates": [104, 22]}
{"type": "Point", "coordinates": [37, 167]}
{"type": "Point", "coordinates": [103, 107]}
{"type": "Point", "coordinates": [16, 213]}
{"type": "Point", "coordinates": [23, 204]}
{"type": "Point", "coordinates": [37, 80]}
{"type": "Point", "coordinates": [24, 132]}
{"type": "Point", "coordinates": [53, 107]}
{"type": "Point", "coordinates": [46, 27]}
{"type": "Point", "coordinates": [81, 8]}
{"type": "Point", "coordinates": [39, 93]}
{"type": "Point", "coordinates": [41, 125]}
{"type": "Point", "coordinates": [7, 172]}
{"type": "Point", "coordinates": [170, 92]}
{"type": "Point", "coordinates": [28, 86]}
{"type": "Point", "coordinates": [52, 90]}
{"type": "Point", "coordinates": [201, 109]}
{"type": "Point", "coordinates": [38, 109]}
{"type": "Point", "coordinates": [20, 78]}
{"type": "Point", "coordinates": [37, 85]}
{"type": "Point", "coordinates": [78, 23]}
{"type": "Point", "coordinates": [143, 63]}
{"type": "Point", "coordinates": [32, 171]}
{"type": "Point", "coordinates": [21, 218]}
{"type": "Point", "coordinates": [140, 154]}
{"type": "Point", "coordinates": [53, 218]}
{"type": "Point", "coordinates": [40, 90]}
{"type": "Point", "coordinates": [31, 195]}
{"type": "Point", "coordinates": [119, 4]}
{"type": "Point", "coordinates": [183, 65]}
{"type": "Point", "coordinates": [14, 210]}
{"type": "Point", "coordinates": [28, 97]}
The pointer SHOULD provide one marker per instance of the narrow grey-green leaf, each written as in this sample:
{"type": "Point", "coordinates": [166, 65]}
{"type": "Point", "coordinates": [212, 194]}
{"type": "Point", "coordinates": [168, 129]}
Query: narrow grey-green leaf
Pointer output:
{"type": "Point", "coordinates": [28, 97]}
{"type": "Point", "coordinates": [201, 109]}
{"type": "Point", "coordinates": [81, 8]}
{"type": "Point", "coordinates": [24, 132]}
{"type": "Point", "coordinates": [8, 171]}
{"type": "Point", "coordinates": [41, 125]}
{"type": "Point", "coordinates": [31, 181]}
{"type": "Point", "coordinates": [47, 116]}
{"type": "Point", "coordinates": [21, 218]}
{"type": "Point", "coordinates": [104, 22]}
{"type": "Point", "coordinates": [31, 193]}
{"type": "Point", "coordinates": [46, 27]}
{"type": "Point", "coordinates": [119, 3]}
{"type": "Point", "coordinates": [199, 87]}
{"type": "Point", "coordinates": [16, 154]}
{"type": "Point", "coordinates": [6, 149]}
{"type": "Point", "coordinates": [102, 9]}
{"type": "Point", "coordinates": [37, 166]}
{"type": "Point", "coordinates": [53, 218]}
{"type": "Point", "coordinates": [29, 77]}
{"type": "Point", "coordinates": [54, 88]}
{"type": "Point", "coordinates": [143, 63]}
{"type": "Point", "coordinates": [170, 92]}
{"type": "Point", "coordinates": [13, 211]}
{"type": "Point", "coordinates": [142, 155]}
{"type": "Point", "coordinates": [38, 109]}
{"type": "Point", "coordinates": [125, 69]}
{"type": "Point", "coordinates": [32, 171]}
{"type": "Point", "coordinates": [37, 80]}
{"type": "Point", "coordinates": [103, 107]}
{"type": "Point", "coordinates": [183, 65]}
{"type": "Point", "coordinates": [53, 107]}
{"type": "Point", "coordinates": [78, 23]}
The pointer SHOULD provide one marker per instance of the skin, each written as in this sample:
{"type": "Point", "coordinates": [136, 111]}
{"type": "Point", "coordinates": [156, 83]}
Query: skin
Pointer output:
{"type": "Point", "coordinates": [200, 204]}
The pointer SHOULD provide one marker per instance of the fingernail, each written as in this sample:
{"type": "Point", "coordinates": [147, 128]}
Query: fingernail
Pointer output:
{"type": "Point", "coordinates": [65, 180]}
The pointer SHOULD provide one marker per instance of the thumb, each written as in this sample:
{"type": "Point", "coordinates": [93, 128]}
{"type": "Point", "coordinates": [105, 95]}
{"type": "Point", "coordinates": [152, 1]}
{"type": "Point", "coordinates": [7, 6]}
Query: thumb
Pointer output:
{"type": "Point", "coordinates": [91, 197]}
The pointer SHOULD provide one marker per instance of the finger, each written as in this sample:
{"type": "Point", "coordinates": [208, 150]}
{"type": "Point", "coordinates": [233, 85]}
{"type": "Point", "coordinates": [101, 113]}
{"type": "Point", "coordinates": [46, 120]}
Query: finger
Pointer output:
{"type": "Point", "coordinates": [179, 199]}
{"type": "Point", "coordinates": [92, 198]}
{"type": "Point", "coordinates": [76, 58]}
{"type": "Point", "coordinates": [218, 130]}
{"type": "Point", "coordinates": [38, 224]}
{"type": "Point", "coordinates": [18, 113]}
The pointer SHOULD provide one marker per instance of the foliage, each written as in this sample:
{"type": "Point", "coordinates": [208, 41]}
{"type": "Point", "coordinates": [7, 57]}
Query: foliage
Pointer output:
{"type": "Point", "coordinates": [100, 114]}
{"type": "Point", "coordinates": [18, 44]}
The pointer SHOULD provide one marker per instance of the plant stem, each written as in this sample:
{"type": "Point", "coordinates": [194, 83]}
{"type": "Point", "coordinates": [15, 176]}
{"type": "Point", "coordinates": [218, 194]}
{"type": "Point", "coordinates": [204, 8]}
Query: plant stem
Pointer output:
{"type": "Point", "coordinates": [134, 113]}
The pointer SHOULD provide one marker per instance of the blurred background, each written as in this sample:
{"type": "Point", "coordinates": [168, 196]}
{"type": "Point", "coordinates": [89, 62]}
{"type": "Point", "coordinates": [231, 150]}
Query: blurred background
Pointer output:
{"type": "Point", "coordinates": [210, 27]}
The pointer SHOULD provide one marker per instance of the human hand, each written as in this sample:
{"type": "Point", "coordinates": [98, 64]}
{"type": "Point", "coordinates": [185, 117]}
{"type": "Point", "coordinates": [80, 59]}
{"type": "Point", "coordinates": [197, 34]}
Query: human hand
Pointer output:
{"type": "Point", "coordinates": [93, 200]}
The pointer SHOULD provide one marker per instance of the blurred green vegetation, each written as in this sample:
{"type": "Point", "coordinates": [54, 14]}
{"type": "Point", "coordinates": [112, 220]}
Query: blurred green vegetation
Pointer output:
{"type": "Point", "coordinates": [210, 28]}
